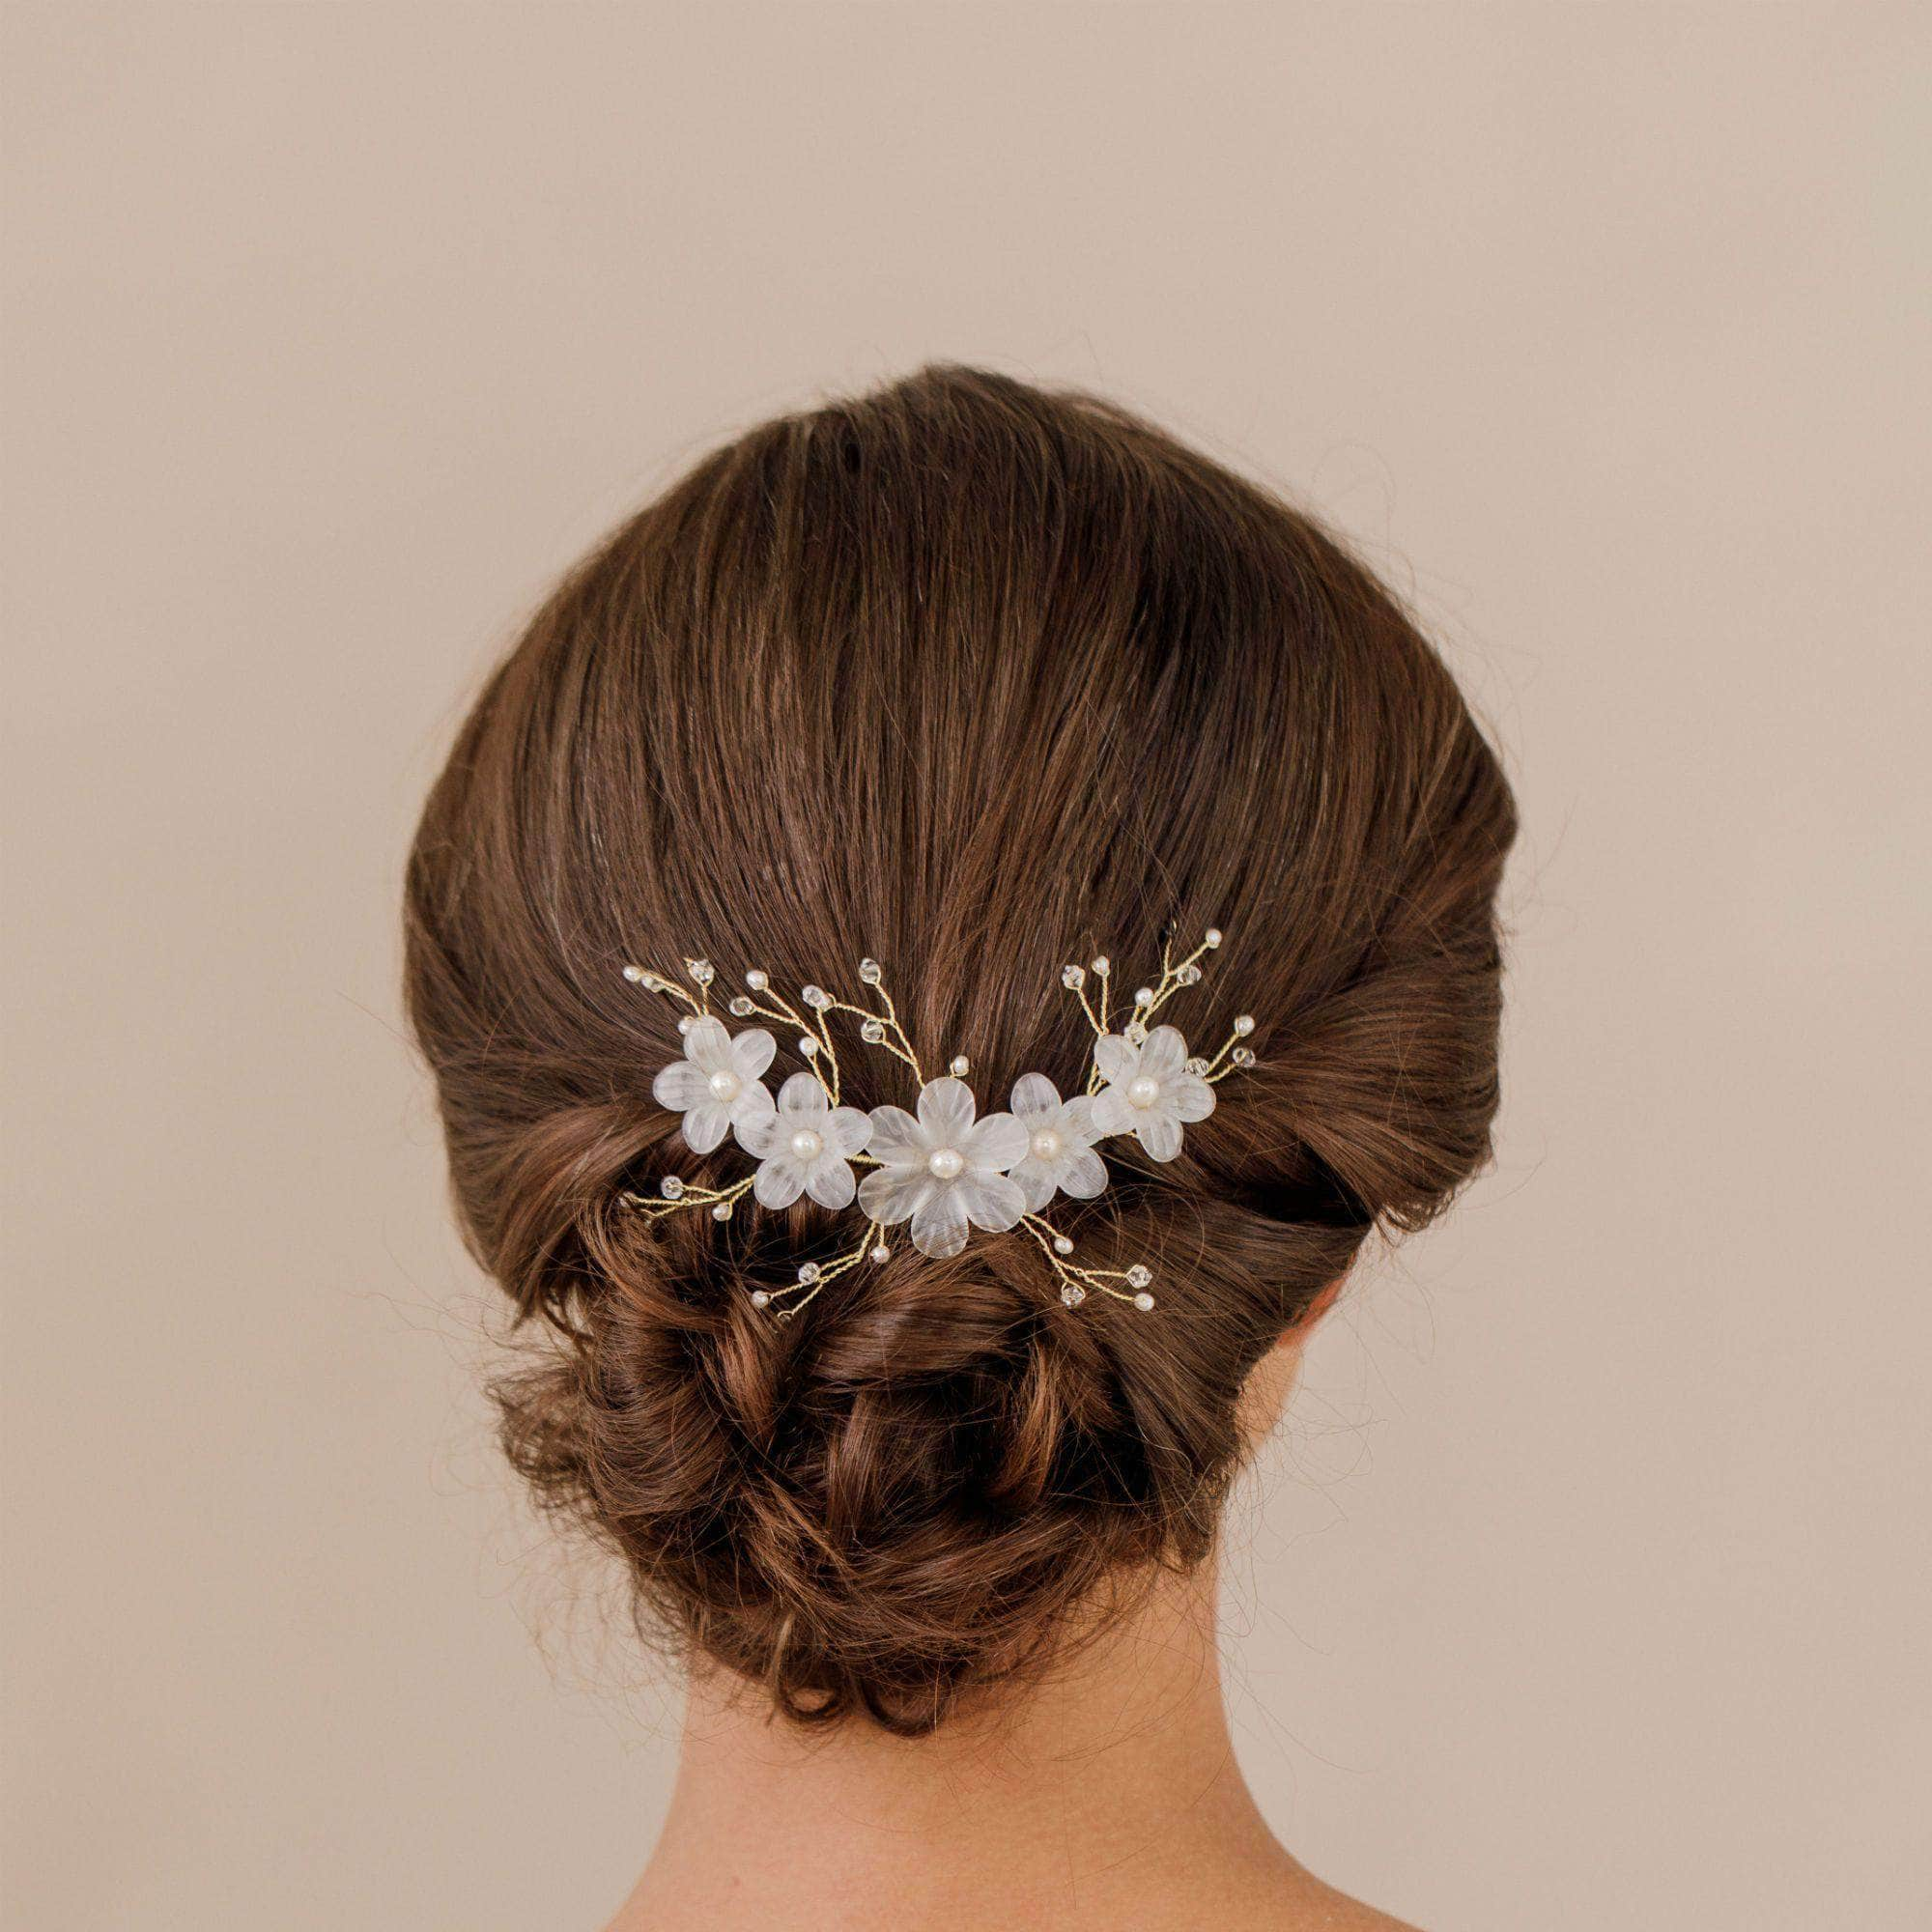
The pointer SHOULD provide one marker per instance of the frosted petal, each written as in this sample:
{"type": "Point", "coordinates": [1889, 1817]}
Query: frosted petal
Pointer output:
{"type": "Point", "coordinates": [752, 1053]}
{"type": "Point", "coordinates": [758, 1133]}
{"type": "Point", "coordinates": [990, 1199]}
{"type": "Point", "coordinates": [939, 1226]}
{"type": "Point", "coordinates": [1119, 1059]}
{"type": "Point", "coordinates": [945, 1109]}
{"type": "Point", "coordinates": [1084, 1176]}
{"type": "Point", "coordinates": [1034, 1098]}
{"type": "Point", "coordinates": [1077, 1122]}
{"type": "Point", "coordinates": [1165, 1053]}
{"type": "Point", "coordinates": [679, 1086]}
{"type": "Point", "coordinates": [780, 1182]}
{"type": "Point", "coordinates": [708, 1045]}
{"type": "Point", "coordinates": [1035, 1179]}
{"type": "Point", "coordinates": [898, 1139]}
{"type": "Point", "coordinates": [706, 1125]}
{"type": "Point", "coordinates": [1159, 1133]}
{"type": "Point", "coordinates": [1188, 1096]}
{"type": "Point", "coordinates": [802, 1099]}
{"type": "Point", "coordinates": [995, 1142]}
{"type": "Point", "coordinates": [893, 1194]}
{"type": "Point", "coordinates": [829, 1181]}
{"type": "Point", "coordinates": [1111, 1113]}
{"type": "Point", "coordinates": [848, 1130]}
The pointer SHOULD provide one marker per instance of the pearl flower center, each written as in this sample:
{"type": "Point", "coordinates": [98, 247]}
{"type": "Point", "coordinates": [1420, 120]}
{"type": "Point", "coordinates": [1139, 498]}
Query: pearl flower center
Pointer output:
{"type": "Point", "coordinates": [946, 1163]}
{"type": "Point", "coordinates": [1046, 1145]}
{"type": "Point", "coordinates": [725, 1085]}
{"type": "Point", "coordinates": [1144, 1090]}
{"type": "Point", "coordinates": [806, 1144]}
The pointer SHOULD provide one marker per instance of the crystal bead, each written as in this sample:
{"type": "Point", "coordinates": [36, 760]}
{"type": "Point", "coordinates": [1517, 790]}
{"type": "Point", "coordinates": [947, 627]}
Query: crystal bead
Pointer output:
{"type": "Point", "coordinates": [872, 1031]}
{"type": "Point", "coordinates": [1061, 1245]}
{"type": "Point", "coordinates": [741, 1006]}
{"type": "Point", "coordinates": [1244, 1023]}
{"type": "Point", "coordinates": [960, 1066]}
{"type": "Point", "coordinates": [1103, 965]}
{"type": "Point", "coordinates": [761, 1298]}
{"type": "Point", "coordinates": [1139, 1276]}
{"type": "Point", "coordinates": [1189, 975]}
{"type": "Point", "coordinates": [702, 971]}
{"type": "Point", "coordinates": [817, 997]}
{"type": "Point", "coordinates": [1074, 977]}
{"type": "Point", "coordinates": [1197, 1065]}
{"type": "Point", "coordinates": [671, 1187]}
{"type": "Point", "coordinates": [808, 1272]}
{"type": "Point", "coordinates": [1073, 1295]}
{"type": "Point", "coordinates": [1136, 1033]}
{"type": "Point", "coordinates": [1144, 1301]}
{"type": "Point", "coordinates": [757, 980]}
{"type": "Point", "coordinates": [1242, 1057]}
{"type": "Point", "coordinates": [870, 972]}
{"type": "Point", "coordinates": [1212, 936]}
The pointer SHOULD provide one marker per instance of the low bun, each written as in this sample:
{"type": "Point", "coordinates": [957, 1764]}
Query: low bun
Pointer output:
{"type": "Point", "coordinates": [978, 679]}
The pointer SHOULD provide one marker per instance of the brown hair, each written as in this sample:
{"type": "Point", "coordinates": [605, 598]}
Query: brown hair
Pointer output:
{"type": "Point", "coordinates": [979, 680]}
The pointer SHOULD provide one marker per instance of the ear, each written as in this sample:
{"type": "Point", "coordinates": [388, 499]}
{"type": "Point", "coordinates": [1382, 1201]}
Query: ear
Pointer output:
{"type": "Point", "coordinates": [1294, 1336]}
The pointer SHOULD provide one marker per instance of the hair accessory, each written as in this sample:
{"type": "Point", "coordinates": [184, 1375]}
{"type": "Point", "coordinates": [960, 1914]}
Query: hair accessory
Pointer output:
{"type": "Point", "coordinates": [944, 1169]}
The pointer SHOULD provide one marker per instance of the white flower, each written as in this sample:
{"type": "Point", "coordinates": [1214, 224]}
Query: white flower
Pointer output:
{"type": "Point", "coordinates": [805, 1146]}
{"type": "Point", "coordinates": [1060, 1142]}
{"type": "Point", "coordinates": [1148, 1092]}
{"type": "Point", "coordinates": [716, 1085]}
{"type": "Point", "coordinates": [944, 1170]}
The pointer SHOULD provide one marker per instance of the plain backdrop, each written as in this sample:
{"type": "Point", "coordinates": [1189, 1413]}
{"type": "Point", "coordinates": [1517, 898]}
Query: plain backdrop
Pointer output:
{"type": "Point", "coordinates": [1587, 1587]}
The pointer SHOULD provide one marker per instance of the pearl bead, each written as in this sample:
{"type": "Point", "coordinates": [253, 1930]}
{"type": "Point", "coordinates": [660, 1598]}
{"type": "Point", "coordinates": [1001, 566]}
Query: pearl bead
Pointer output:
{"type": "Point", "coordinates": [1061, 1245]}
{"type": "Point", "coordinates": [725, 1085]}
{"type": "Point", "coordinates": [882, 1253]}
{"type": "Point", "coordinates": [636, 974]}
{"type": "Point", "coordinates": [1046, 1145]}
{"type": "Point", "coordinates": [806, 1144]}
{"type": "Point", "coordinates": [1144, 1302]}
{"type": "Point", "coordinates": [1212, 936]}
{"type": "Point", "coordinates": [761, 1298]}
{"type": "Point", "coordinates": [1144, 1090]}
{"type": "Point", "coordinates": [962, 1066]}
{"type": "Point", "coordinates": [946, 1164]}
{"type": "Point", "coordinates": [757, 980]}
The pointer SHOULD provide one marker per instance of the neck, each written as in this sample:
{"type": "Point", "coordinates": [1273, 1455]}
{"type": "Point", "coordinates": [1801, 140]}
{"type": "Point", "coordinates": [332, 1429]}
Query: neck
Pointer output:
{"type": "Point", "coordinates": [1086, 1793]}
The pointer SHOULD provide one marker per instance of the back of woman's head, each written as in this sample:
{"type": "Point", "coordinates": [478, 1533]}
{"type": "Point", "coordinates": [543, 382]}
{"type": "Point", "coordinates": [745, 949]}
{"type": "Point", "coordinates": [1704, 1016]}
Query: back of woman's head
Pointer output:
{"type": "Point", "coordinates": [979, 681]}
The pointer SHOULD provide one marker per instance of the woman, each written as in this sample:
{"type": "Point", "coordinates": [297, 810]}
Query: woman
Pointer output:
{"type": "Point", "coordinates": [936, 950]}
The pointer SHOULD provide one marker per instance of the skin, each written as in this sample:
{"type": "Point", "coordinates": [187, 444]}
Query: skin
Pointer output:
{"type": "Point", "coordinates": [1105, 1797]}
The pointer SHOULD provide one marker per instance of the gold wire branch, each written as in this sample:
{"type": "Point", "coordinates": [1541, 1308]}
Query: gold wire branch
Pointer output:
{"type": "Point", "coordinates": [1077, 1283]}
{"type": "Point", "coordinates": [678, 1194]}
{"type": "Point", "coordinates": [815, 1277]}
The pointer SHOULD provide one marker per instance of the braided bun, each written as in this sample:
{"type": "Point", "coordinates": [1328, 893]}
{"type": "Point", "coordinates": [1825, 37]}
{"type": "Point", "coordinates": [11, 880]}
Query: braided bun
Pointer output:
{"type": "Point", "coordinates": [978, 680]}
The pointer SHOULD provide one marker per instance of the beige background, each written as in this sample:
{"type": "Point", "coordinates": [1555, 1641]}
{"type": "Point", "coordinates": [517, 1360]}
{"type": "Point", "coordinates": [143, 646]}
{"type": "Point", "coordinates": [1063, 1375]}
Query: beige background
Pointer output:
{"type": "Point", "coordinates": [1589, 1587]}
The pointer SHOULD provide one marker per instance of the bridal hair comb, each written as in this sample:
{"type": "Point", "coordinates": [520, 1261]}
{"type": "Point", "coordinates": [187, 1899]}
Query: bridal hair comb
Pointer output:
{"type": "Point", "coordinates": [944, 1168]}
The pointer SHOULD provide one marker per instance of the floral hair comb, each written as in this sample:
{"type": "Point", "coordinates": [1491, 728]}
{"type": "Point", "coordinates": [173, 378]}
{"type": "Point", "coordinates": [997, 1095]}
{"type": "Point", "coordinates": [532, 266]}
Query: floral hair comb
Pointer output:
{"type": "Point", "coordinates": [945, 1168]}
